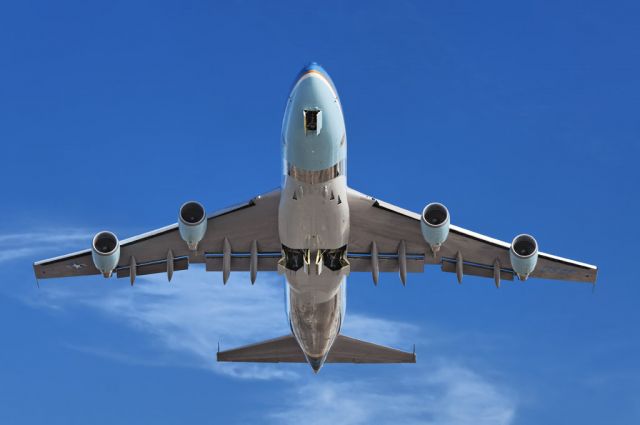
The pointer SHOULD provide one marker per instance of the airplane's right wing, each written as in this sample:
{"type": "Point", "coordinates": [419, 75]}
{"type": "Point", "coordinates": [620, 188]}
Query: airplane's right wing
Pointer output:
{"type": "Point", "coordinates": [234, 235]}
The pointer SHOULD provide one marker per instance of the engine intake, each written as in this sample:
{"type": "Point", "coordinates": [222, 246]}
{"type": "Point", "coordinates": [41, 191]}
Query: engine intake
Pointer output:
{"type": "Point", "coordinates": [105, 251]}
{"type": "Point", "coordinates": [192, 223]}
{"type": "Point", "coordinates": [435, 225]}
{"type": "Point", "coordinates": [524, 255]}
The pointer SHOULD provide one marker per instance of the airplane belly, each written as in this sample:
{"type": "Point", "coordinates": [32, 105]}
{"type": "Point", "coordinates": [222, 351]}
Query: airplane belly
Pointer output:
{"type": "Point", "coordinates": [313, 221]}
{"type": "Point", "coordinates": [314, 216]}
{"type": "Point", "coordinates": [314, 322]}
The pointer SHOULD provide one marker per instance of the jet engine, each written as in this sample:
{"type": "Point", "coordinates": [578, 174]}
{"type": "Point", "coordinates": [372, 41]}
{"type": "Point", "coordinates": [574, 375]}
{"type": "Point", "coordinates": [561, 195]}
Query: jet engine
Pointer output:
{"type": "Point", "coordinates": [524, 255]}
{"type": "Point", "coordinates": [192, 223]}
{"type": "Point", "coordinates": [435, 225]}
{"type": "Point", "coordinates": [105, 251]}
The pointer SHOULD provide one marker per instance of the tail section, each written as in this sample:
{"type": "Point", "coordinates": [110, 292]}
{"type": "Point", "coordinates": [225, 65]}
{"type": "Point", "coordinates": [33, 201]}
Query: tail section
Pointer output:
{"type": "Point", "coordinates": [344, 350]}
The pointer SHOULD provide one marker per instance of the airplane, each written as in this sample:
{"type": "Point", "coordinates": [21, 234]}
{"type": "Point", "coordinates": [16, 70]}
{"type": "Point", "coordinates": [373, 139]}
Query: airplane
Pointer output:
{"type": "Point", "coordinates": [315, 230]}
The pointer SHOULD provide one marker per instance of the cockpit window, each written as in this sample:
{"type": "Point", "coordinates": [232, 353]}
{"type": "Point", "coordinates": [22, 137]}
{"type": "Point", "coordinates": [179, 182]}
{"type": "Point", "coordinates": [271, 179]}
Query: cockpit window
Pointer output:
{"type": "Point", "coordinates": [312, 120]}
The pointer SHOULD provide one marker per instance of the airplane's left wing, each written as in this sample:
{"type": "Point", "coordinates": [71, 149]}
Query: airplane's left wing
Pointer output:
{"type": "Point", "coordinates": [396, 234]}
{"type": "Point", "coordinates": [239, 238]}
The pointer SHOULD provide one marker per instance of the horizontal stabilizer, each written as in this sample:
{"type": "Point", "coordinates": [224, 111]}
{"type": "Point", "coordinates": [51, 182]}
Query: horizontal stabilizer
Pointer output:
{"type": "Point", "coordinates": [344, 350]}
{"type": "Point", "coordinates": [278, 350]}
{"type": "Point", "coordinates": [351, 350]}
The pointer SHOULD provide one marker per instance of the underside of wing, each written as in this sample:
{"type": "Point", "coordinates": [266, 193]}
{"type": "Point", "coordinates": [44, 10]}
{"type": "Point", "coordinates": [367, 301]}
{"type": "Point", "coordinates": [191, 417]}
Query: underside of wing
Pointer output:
{"type": "Point", "coordinates": [241, 238]}
{"type": "Point", "coordinates": [396, 233]}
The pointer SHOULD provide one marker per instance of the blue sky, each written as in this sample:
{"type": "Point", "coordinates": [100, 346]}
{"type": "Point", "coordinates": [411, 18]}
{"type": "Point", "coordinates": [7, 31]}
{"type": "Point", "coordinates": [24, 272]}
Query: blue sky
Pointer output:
{"type": "Point", "coordinates": [519, 117]}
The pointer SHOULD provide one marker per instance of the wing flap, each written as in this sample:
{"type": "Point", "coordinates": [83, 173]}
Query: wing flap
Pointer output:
{"type": "Point", "coordinates": [362, 263]}
{"type": "Point", "coordinates": [153, 267]}
{"type": "Point", "coordinates": [450, 265]}
{"type": "Point", "coordinates": [267, 262]}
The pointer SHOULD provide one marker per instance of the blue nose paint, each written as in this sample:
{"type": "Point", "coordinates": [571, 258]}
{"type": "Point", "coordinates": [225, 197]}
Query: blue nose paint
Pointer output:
{"type": "Point", "coordinates": [315, 67]}
{"type": "Point", "coordinates": [314, 150]}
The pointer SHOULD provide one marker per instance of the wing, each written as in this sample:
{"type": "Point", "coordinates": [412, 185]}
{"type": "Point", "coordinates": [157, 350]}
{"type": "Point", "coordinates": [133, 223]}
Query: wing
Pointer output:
{"type": "Point", "coordinates": [464, 252]}
{"type": "Point", "coordinates": [230, 236]}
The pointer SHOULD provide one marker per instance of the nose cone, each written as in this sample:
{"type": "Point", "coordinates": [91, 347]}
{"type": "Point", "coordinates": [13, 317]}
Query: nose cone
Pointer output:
{"type": "Point", "coordinates": [317, 69]}
{"type": "Point", "coordinates": [313, 127]}
{"type": "Point", "coordinates": [314, 66]}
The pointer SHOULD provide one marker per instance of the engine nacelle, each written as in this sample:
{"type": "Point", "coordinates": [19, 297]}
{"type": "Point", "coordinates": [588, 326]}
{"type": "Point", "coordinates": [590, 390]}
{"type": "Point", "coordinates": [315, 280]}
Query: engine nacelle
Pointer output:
{"type": "Point", "coordinates": [105, 251]}
{"type": "Point", "coordinates": [192, 222]}
{"type": "Point", "coordinates": [435, 225]}
{"type": "Point", "coordinates": [524, 255]}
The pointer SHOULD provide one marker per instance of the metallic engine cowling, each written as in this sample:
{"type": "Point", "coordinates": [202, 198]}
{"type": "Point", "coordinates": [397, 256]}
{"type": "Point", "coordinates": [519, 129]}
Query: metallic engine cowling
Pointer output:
{"type": "Point", "coordinates": [192, 223]}
{"type": "Point", "coordinates": [105, 251]}
{"type": "Point", "coordinates": [524, 255]}
{"type": "Point", "coordinates": [434, 223]}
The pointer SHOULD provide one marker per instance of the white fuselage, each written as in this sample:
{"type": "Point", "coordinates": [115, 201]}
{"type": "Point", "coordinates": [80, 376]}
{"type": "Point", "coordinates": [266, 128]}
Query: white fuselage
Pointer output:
{"type": "Point", "coordinates": [313, 215]}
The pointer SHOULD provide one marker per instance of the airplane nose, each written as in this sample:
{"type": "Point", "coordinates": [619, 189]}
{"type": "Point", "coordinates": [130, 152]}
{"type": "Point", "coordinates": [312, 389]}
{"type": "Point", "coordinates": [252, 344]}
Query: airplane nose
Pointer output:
{"type": "Point", "coordinates": [317, 69]}
{"type": "Point", "coordinates": [313, 126]}
{"type": "Point", "coordinates": [314, 66]}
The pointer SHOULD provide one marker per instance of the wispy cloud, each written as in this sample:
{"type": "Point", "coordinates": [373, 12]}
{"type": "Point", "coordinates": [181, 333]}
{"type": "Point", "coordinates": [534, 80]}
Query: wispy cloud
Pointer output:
{"type": "Point", "coordinates": [434, 395]}
{"type": "Point", "coordinates": [381, 331]}
{"type": "Point", "coordinates": [15, 246]}
{"type": "Point", "coordinates": [190, 315]}
{"type": "Point", "coordinates": [56, 238]}
{"type": "Point", "coordinates": [14, 253]}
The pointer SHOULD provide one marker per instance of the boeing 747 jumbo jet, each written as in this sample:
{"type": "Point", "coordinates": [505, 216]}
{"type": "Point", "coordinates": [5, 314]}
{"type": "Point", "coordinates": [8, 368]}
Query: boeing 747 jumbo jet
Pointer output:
{"type": "Point", "coordinates": [315, 230]}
